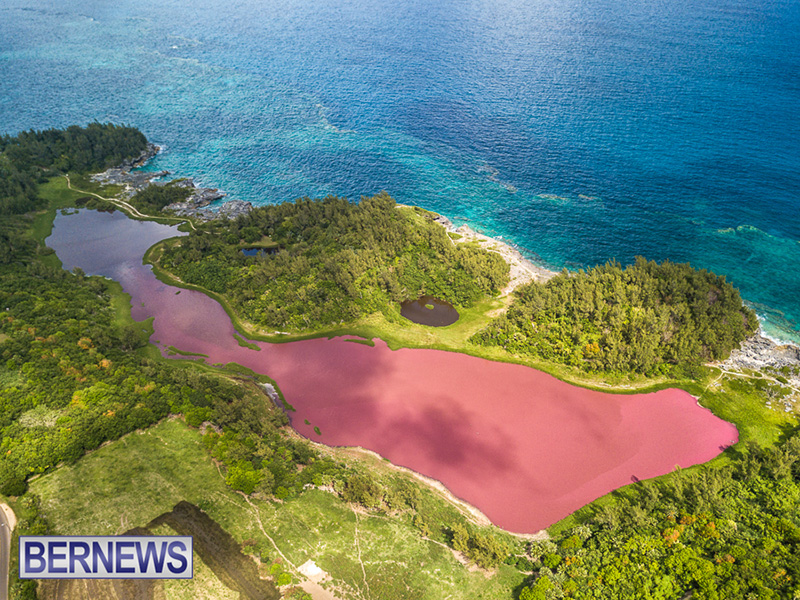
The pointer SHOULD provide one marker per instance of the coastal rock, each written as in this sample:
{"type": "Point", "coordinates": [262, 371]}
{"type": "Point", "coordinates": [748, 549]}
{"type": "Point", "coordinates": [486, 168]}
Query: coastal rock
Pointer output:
{"type": "Point", "coordinates": [444, 222]}
{"type": "Point", "coordinates": [228, 210]}
{"type": "Point", "coordinates": [132, 180]}
{"type": "Point", "coordinates": [197, 205]}
{"type": "Point", "coordinates": [140, 160]}
{"type": "Point", "coordinates": [758, 352]}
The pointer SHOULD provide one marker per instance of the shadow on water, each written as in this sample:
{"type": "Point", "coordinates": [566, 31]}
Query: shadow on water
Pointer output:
{"type": "Point", "coordinates": [503, 437]}
{"type": "Point", "coordinates": [444, 437]}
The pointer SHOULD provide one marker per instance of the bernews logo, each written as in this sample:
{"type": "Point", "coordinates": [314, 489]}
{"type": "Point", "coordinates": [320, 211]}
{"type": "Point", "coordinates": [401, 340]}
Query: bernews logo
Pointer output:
{"type": "Point", "coordinates": [105, 557]}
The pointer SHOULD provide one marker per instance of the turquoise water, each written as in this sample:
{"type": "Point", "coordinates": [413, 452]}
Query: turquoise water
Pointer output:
{"type": "Point", "coordinates": [579, 131]}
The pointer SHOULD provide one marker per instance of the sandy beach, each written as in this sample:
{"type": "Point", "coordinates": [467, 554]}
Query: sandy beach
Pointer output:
{"type": "Point", "coordinates": [522, 270]}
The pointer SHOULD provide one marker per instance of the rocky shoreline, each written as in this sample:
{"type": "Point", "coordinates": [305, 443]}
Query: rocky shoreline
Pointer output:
{"type": "Point", "coordinates": [196, 206]}
{"type": "Point", "coordinates": [522, 270]}
{"type": "Point", "coordinates": [756, 353]}
{"type": "Point", "coordinates": [759, 352]}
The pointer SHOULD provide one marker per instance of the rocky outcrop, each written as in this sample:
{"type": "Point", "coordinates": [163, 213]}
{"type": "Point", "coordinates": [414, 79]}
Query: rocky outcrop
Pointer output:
{"type": "Point", "coordinates": [758, 352]}
{"type": "Point", "coordinates": [197, 205]}
{"type": "Point", "coordinates": [132, 181]}
{"type": "Point", "coordinates": [140, 160]}
{"type": "Point", "coordinates": [199, 208]}
{"type": "Point", "coordinates": [779, 362]}
{"type": "Point", "coordinates": [444, 222]}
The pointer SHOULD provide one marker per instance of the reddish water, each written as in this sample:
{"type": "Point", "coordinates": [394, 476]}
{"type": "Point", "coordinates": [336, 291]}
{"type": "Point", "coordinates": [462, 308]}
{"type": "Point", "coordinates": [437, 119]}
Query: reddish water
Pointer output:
{"type": "Point", "coordinates": [523, 447]}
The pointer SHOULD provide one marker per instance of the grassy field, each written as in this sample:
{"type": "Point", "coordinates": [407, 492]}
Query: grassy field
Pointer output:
{"type": "Point", "coordinates": [131, 481]}
{"type": "Point", "coordinates": [204, 585]}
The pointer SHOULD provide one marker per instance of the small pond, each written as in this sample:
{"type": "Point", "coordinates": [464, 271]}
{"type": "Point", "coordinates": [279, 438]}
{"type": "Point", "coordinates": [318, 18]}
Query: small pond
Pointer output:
{"type": "Point", "coordinates": [259, 251]}
{"type": "Point", "coordinates": [429, 311]}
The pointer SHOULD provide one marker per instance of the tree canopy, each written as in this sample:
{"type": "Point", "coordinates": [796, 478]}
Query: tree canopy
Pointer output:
{"type": "Point", "coordinates": [715, 534]}
{"type": "Point", "coordinates": [332, 261]}
{"type": "Point", "coordinates": [648, 318]}
{"type": "Point", "coordinates": [31, 156]}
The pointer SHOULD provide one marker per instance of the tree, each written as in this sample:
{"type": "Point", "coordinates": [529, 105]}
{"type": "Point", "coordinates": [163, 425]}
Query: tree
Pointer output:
{"type": "Point", "coordinates": [243, 477]}
{"type": "Point", "coordinates": [363, 490]}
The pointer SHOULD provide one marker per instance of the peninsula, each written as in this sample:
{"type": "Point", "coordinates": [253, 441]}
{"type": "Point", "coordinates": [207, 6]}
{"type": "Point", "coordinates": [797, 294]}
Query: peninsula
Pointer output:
{"type": "Point", "coordinates": [207, 448]}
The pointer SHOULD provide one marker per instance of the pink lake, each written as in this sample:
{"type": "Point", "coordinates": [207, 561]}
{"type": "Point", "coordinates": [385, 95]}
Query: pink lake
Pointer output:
{"type": "Point", "coordinates": [523, 447]}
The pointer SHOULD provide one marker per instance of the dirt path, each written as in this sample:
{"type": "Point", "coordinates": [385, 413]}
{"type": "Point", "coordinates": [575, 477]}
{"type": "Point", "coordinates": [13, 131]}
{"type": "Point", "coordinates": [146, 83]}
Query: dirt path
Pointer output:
{"type": "Point", "coordinates": [264, 531]}
{"type": "Point", "coordinates": [746, 376]}
{"type": "Point", "coordinates": [121, 204]}
{"type": "Point", "coordinates": [317, 591]}
{"type": "Point", "coordinates": [7, 522]}
{"type": "Point", "coordinates": [361, 562]}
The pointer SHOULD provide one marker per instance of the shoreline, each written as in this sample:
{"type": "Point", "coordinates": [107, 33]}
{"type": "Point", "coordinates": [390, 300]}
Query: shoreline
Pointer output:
{"type": "Point", "coordinates": [196, 205]}
{"type": "Point", "coordinates": [471, 511]}
{"type": "Point", "coordinates": [469, 235]}
{"type": "Point", "coordinates": [521, 270]}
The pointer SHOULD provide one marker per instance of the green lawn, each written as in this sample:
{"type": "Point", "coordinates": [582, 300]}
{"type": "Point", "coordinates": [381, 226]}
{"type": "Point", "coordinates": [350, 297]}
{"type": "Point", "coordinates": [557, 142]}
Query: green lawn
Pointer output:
{"type": "Point", "coordinates": [131, 481]}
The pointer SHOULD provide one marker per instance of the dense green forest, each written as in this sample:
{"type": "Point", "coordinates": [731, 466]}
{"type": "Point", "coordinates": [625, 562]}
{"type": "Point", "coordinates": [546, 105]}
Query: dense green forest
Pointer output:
{"type": "Point", "coordinates": [717, 534]}
{"type": "Point", "coordinates": [29, 157]}
{"type": "Point", "coordinates": [649, 318]}
{"type": "Point", "coordinates": [71, 380]}
{"type": "Point", "coordinates": [335, 262]}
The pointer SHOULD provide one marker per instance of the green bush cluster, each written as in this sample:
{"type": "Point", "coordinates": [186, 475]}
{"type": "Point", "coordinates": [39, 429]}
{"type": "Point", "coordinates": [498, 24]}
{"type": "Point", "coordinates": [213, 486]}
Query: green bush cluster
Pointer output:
{"type": "Point", "coordinates": [647, 318]}
{"type": "Point", "coordinates": [337, 261]}
{"type": "Point", "coordinates": [30, 521]}
{"type": "Point", "coordinates": [485, 550]}
{"type": "Point", "coordinates": [265, 460]}
{"type": "Point", "coordinates": [72, 385]}
{"type": "Point", "coordinates": [154, 198]}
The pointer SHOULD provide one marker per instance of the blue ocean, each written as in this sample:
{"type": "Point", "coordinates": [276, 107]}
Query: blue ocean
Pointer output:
{"type": "Point", "coordinates": [579, 131]}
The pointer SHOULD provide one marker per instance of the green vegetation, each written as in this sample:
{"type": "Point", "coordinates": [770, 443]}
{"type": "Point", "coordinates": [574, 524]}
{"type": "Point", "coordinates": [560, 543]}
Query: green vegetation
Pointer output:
{"type": "Point", "coordinates": [144, 474]}
{"type": "Point", "coordinates": [76, 371]}
{"type": "Point", "coordinates": [29, 158]}
{"type": "Point", "coordinates": [154, 198]}
{"type": "Point", "coordinates": [30, 521]}
{"type": "Point", "coordinates": [731, 532]}
{"type": "Point", "coordinates": [648, 318]}
{"type": "Point", "coordinates": [338, 261]}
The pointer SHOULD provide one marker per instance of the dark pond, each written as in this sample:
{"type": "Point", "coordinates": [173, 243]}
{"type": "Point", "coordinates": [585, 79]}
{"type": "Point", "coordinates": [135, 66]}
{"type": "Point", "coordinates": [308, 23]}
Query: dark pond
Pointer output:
{"type": "Point", "coordinates": [429, 311]}
{"type": "Point", "coordinates": [257, 251]}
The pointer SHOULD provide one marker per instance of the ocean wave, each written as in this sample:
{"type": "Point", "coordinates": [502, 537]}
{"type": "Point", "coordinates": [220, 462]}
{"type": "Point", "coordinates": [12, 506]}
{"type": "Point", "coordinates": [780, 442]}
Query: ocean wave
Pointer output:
{"type": "Point", "coordinates": [773, 325]}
